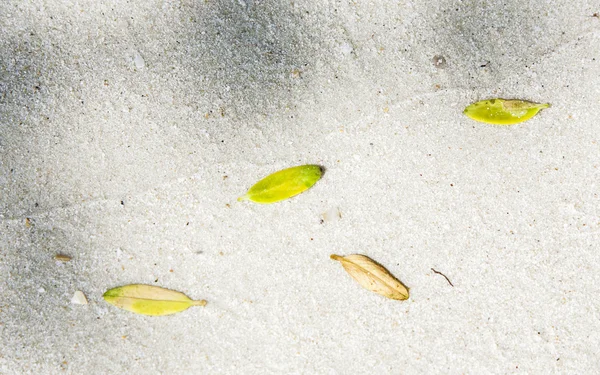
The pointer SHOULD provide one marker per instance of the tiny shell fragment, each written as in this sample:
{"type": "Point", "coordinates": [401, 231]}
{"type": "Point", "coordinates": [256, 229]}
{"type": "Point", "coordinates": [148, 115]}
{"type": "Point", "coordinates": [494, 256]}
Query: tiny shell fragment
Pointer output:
{"type": "Point", "coordinates": [138, 60]}
{"type": "Point", "coordinates": [331, 215]}
{"type": "Point", "coordinates": [79, 298]}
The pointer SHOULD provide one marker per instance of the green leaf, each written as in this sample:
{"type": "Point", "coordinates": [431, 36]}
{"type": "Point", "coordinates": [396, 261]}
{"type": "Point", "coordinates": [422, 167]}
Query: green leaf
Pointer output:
{"type": "Point", "coordinates": [149, 299]}
{"type": "Point", "coordinates": [283, 184]}
{"type": "Point", "coordinates": [503, 111]}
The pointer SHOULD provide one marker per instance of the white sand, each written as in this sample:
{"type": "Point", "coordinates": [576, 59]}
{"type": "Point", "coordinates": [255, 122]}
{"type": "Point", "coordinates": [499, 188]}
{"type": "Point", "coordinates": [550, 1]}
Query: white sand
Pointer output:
{"type": "Point", "coordinates": [120, 120]}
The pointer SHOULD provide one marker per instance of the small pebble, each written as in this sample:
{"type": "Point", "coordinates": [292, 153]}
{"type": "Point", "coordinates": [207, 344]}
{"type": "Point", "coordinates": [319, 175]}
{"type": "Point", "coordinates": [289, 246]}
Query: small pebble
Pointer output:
{"type": "Point", "coordinates": [138, 60]}
{"type": "Point", "coordinates": [439, 61]}
{"type": "Point", "coordinates": [79, 298]}
{"type": "Point", "coordinates": [331, 215]}
{"type": "Point", "coordinates": [346, 48]}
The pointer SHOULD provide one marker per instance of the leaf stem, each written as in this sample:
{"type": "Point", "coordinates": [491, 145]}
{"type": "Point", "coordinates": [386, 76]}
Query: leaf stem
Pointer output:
{"type": "Point", "coordinates": [446, 277]}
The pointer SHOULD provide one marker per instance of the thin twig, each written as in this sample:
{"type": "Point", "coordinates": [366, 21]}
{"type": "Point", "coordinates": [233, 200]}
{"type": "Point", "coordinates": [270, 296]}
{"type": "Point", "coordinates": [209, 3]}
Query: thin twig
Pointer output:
{"type": "Point", "coordinates": [447, 279]}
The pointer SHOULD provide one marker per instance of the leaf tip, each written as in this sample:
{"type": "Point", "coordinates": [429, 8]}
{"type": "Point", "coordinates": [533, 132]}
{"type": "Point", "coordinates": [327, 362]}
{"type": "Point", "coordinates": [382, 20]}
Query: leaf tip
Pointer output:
{"type": "Point", "coordinates": [335, 257]}
{"type": "Point", "coordinates": [201, 302]}
{"type": "Point", "coordinates": [109, 293]}
{"type": "Point", "coordinates": [403, 294]}
{"type": "Point", "coordinates": [322, 170]}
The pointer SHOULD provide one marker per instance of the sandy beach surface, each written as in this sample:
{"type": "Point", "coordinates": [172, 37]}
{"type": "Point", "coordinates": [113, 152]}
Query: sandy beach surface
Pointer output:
{"type": "Point", "coordinates": [128, 129]}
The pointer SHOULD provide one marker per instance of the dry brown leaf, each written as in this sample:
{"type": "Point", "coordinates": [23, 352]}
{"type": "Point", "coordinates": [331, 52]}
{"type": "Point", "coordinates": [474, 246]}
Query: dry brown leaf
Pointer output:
{"type": "Point", "coordinates": [373, 276]}
{"type": "Point", "coordinates": [62, 257]}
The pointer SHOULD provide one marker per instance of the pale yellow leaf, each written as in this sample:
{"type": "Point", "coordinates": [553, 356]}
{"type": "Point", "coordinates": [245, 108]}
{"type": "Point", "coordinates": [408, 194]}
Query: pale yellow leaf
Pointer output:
{"type": "Point", "coordinates": [149, 299]}
{"type": "Point", "coordinates": [373, 276]}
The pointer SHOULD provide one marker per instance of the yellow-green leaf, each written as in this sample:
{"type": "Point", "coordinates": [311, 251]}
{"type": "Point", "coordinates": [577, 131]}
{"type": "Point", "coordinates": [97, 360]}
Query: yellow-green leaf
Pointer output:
{"type": "Point", "coordinates": [149, 299]}
{"type": "Point", "coordinates": [503, 111]}
{"type": "Point", "coordinates": [373, 276]}
{"type": "Point", "coordinates": [283, 184]}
